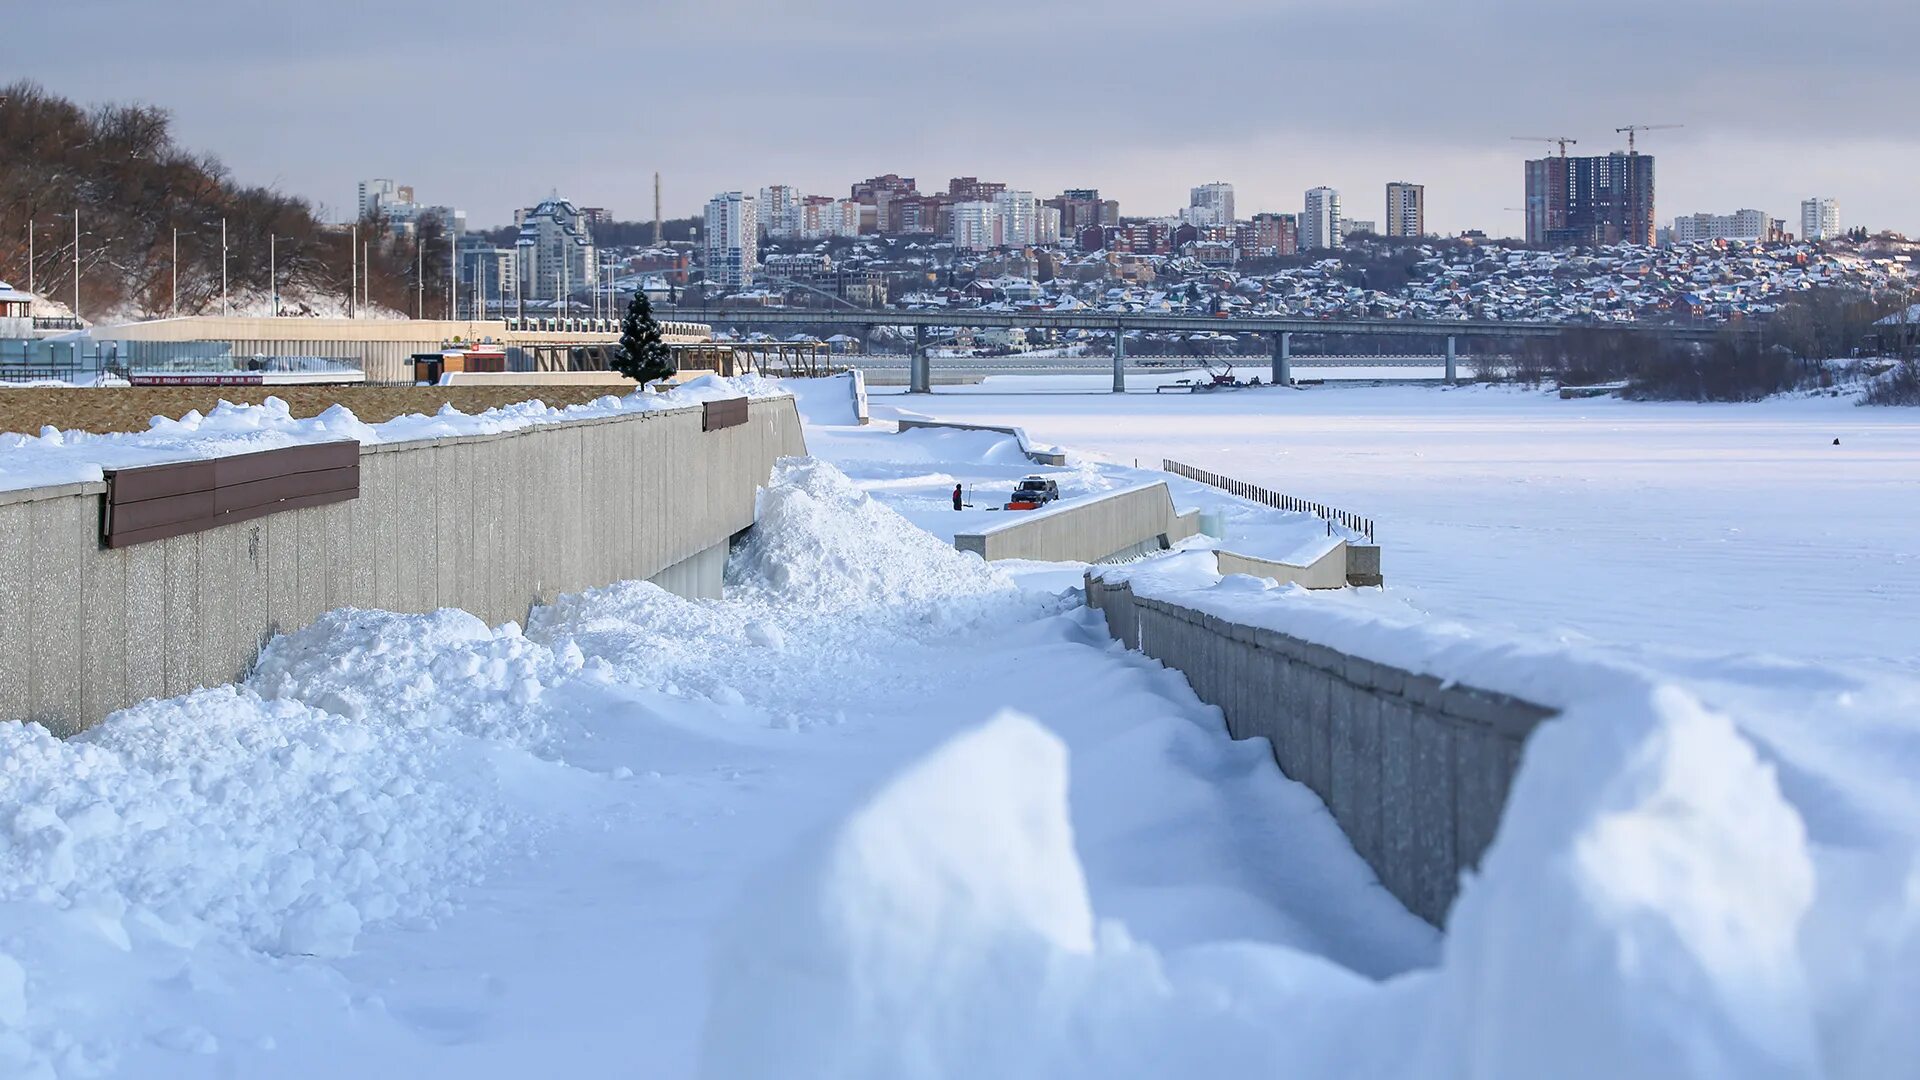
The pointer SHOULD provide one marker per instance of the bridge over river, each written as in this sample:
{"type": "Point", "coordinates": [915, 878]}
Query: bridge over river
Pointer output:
{"type": "Point", "coordinates": [1447, 333]}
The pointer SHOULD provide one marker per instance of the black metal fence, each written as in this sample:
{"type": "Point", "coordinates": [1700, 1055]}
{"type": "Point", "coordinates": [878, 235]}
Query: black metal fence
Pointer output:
{"type": "Point", "coordinates": [1332, 516]}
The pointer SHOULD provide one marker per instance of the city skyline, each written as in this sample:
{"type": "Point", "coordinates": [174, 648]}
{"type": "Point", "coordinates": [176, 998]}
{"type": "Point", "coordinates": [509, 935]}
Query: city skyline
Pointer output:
{"type": "Point", "coordinates": [334, 108]}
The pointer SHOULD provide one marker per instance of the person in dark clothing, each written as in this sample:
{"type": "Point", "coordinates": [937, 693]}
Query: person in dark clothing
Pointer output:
{"type": "Point", "coordinates": [956, 496]}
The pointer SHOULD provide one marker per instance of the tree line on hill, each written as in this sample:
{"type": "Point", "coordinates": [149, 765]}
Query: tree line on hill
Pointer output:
{"type": "Point", "coordinates": [1790, 350]}
{"type": "Point", "coordinates": [134, 189]}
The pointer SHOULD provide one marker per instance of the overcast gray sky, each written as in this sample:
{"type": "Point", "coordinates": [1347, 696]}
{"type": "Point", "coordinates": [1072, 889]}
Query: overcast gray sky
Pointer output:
{"type": "Point", "coordinates": [487, 104]}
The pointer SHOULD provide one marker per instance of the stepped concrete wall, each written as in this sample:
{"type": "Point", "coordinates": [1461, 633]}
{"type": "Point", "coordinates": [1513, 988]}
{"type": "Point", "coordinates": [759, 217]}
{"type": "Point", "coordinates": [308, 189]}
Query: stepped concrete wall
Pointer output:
{"type": "Point", "coordinates": [1415, 770]}
{"type": "Point", "coordinates": [1095, 528]}
{"type": "Point", "coordinates": [493, 524]}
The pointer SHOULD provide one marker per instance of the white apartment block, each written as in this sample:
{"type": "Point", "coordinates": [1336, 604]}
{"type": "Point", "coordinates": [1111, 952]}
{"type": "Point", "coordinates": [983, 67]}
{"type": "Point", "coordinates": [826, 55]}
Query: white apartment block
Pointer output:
{"type": "Point", "coordinates": [732, 239]}
{"type": "Point", "coordinates": [1406, 209]}
{"type": "Point", "coordinates": [1017, 211]}
{"type": "Point", "coordinates": [394, 203]}
{"type": "Point", "coordinates": [1748, 225]}
{"type": "Point", "coordinates": [1046, 226]}
{"type": "Point", "coordinates": [780, 210]}
{"type": "Point", "coordinates": [976, 226]}
{"type": "Point", "coordinates": [1320, 224]}
{"type": "Point", "coordinates": [1819, 219]}
{"type": "Point", "coordinates": [376, 193]}
{"type": "Point", "coordinates": [843, 218]}
{"type": "Point", "coordinates": [1212, 204]}
{"type": "Point", "coordinates": [817, 217]}
{"type": "Point", "coordinates": [554, 253]}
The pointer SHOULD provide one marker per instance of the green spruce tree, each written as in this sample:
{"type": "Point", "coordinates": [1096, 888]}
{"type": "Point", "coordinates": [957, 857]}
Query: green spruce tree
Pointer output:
{"type": "Point", "coordinates": [643, 355]}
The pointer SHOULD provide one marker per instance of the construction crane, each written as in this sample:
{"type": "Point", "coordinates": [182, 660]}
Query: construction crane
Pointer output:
{"type": "Point", "coordinates": [1561, 139]}
{"type": "Point", "coordinates": [1631, 128]}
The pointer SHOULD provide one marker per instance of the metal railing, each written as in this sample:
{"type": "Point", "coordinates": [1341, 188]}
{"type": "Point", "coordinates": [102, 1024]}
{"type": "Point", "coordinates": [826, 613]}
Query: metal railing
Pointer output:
{"type": "Point", "coordinates": [1331, 515]}
{"type": "Point", "coordinates": [11, 373]}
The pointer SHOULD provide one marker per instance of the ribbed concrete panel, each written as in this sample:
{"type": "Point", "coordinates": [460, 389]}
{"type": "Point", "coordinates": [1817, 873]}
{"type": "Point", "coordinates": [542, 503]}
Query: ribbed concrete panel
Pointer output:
{"type": "Point", "coordinates": [1415, 770]}
{"type": "Point", "coordinates": [53, 684]}
{"type": "Point", "coordinates": [16, 628]}
{"type": "Point", "coordinates": [283, 570]}
{"type": "Point", "coordinates": [145, 619]}
{"type": "Point", "coordinates": [182, 619]}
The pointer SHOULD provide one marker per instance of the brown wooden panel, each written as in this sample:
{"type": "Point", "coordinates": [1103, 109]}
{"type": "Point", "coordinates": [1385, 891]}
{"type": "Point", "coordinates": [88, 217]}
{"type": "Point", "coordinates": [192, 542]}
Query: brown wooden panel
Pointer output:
{"type": "Point", "coordinates": [182, 528]}
{"type": "Point", "coordinates": [158, 501]}
{"type": "Point", "coordinates": [272, 489]}
{"type": "Point", "coordinates": [147, 513]}
{"type": "Point", "coordinates": [158, 481]}
{"type": "Point", "coordinates": [725, 413]}
{"type": "Point", "coordinates": [245, 468]}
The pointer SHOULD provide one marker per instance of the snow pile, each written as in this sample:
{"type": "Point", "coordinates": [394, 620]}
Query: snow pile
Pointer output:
{"type": "Point", "coordinates": [823, 544]}
{"type": "Point", "coordinates": [1641, 911]}
{"type": "Point", "coordinates": [869, 956]}
{"type": "Point", "coordinates": [60, 457]}
{"type": "Point", "coordinates": [269, 822]}
{"type": "Point", "coordinates": [1650, 909]}
{"type": "Point", "coordinates": [446, 671]}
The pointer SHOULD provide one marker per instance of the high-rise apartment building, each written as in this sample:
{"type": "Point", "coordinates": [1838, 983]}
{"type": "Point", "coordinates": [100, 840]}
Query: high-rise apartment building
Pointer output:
{"type": "Point", "coordinates": [553, 253]}
{"type": "Point", "coordinates": [973, 189]}
{"type": "Point", "coordinates": [1406, 209]}
{"type": "Point", "coordinates": [976, 226]}
{"type": "Point", "coordinates": [877, 194]}
{"type": "Point", "coordinates": [1017, 210]}
{"type": "Point", "coordinates": [1320, 223]}
{"type": "Point", "coordinates": [1210, 204]}
{"type": "Point", "coordinates": [1819, 219]}
{"type": "Point", "coordinates": [732, 239]}
{"type": "Point", "coordinates": [373, 193]}
{"type": "Point", "coordinates": [1276, 234]}
{"type": "Point", "coordinates": [779, 207]}
{"type": "Point", "coordinates": [1081, 207]}
{"type": "Point", "coordinates": [1588, 201]}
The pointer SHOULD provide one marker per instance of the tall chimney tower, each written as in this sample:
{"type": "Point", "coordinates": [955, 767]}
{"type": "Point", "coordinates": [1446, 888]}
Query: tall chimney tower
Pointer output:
{"type": "Point", "coordinates": [656, 209]}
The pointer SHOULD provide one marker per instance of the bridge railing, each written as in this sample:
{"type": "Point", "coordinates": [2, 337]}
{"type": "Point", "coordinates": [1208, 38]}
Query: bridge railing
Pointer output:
{"type": "Point", "coordinates": [1331, 515]}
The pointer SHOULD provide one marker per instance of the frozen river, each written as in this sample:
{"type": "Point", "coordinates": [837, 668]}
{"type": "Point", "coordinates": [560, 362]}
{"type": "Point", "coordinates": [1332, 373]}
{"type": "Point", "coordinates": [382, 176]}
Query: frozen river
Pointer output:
{"type": "Point", "coordinates": [1716, 527]}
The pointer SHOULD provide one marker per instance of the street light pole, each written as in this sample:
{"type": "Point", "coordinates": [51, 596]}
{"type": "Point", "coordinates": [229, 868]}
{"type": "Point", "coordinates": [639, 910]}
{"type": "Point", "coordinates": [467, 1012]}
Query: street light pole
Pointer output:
{"type": "Point", "coordinates": [353, 276]}
{"type": "Point", "coordinates": [76, 262]}
{"type": "Point", "coordinates": [273, 273]}
{"type": "Point", "coordinates": [173, 303]}
{"type": "Point", "coordinates": [30, 286]}
{"type": "Point", "coordinates": [226, 296]}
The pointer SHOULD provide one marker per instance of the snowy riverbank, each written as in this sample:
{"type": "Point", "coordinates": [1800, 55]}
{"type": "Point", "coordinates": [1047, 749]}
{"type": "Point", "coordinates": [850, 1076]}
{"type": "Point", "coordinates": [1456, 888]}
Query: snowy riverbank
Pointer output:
{"type": "Point", "coordinates": [888, 811]}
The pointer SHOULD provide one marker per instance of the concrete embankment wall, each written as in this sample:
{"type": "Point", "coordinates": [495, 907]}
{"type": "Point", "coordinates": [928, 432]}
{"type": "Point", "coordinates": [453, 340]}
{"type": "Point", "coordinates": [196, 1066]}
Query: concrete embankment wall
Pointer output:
{"type": "Point", "coordinates": [1329, 571]}
{"type": "Point", "coordinates": [493, 524]}
{"type": "Point", "coordinates": [1415, 770]}
{"type": "Point", "coordinates": [1092, 529]}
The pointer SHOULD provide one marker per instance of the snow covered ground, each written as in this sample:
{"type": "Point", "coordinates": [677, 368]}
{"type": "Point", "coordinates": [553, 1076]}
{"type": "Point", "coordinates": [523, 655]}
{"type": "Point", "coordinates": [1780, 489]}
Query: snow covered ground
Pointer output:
{"type": "Point", "coordinates": [1713, 527]}
{"type": "Point", "coordinates": [886, 811]}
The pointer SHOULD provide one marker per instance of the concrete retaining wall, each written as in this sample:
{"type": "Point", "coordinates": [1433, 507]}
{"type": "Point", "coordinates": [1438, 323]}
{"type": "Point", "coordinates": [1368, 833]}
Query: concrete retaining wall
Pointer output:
{"type": "Point", "coordinates": [1415, 771]}
{"type": "Point", "coordinates": [490, 523]}
{"type": "Point", "coordinates": [1329, 571]}
{"type": "Point", "coordinates": [1089, 529]}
